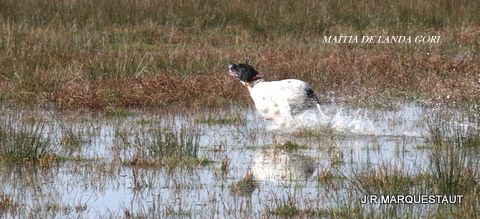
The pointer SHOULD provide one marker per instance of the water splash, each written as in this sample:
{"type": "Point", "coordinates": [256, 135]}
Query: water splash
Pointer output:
{"type": "Point", "coordinates": [409, 120]}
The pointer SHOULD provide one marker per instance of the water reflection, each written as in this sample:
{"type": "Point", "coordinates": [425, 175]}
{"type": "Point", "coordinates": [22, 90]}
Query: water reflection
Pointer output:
{"type": "Point", "coordinates": [94, 182]}
{"type": "Point", "coordinates": [282, 165]}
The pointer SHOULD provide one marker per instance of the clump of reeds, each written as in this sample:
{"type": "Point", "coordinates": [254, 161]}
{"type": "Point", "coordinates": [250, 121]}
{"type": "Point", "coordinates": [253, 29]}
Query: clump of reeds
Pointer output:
{"type": "Point", "coordinates": [174, 143]}
{"type": "Point", "coordinates": [168, 148]}
{"type": "Point", "coordinates": [245, 186]}
{"type": "Point", "coordinates": [71, 140]}
{"type": "Point", "coordinates": [285, 208]}
{"type": "Point", "coordinates": [454, 169]}
{"type": "Point", "coordinates": [25, 143]}
{"type": "Point", "coordinates": [384, 179]}
{"type": "Point", "coordinates": [330, 179]}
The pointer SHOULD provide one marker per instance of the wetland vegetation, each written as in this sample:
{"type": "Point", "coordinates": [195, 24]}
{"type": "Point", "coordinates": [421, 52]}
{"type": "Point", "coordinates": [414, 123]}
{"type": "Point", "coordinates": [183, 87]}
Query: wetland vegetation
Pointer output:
{"type": "Point", "coordinates": [90, 55]}
{"type": "Point", "coordinates": [124, 109]}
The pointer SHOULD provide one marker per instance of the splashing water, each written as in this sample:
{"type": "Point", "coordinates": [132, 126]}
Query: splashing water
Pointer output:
{"type": "Point", "coordinates": [408, 120]}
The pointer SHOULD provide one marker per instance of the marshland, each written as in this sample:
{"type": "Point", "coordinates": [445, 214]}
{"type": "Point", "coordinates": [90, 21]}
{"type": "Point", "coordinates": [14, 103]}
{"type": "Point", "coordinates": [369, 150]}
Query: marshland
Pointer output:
{"type": "Point", "coordinates": [124, 109]}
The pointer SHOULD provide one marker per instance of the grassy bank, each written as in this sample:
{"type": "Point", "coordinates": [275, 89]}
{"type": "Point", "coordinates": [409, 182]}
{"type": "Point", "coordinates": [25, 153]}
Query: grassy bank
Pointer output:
{"type": "Point", "coordinates": [94, 55]}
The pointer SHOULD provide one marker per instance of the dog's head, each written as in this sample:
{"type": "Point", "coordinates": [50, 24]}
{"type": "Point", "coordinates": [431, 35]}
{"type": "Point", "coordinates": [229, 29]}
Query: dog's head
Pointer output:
{"type": "Point", "coordinates": [244, 72]}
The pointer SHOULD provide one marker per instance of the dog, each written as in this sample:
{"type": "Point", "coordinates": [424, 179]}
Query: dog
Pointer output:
{"type": "Point", "coordinates": [275, 100]}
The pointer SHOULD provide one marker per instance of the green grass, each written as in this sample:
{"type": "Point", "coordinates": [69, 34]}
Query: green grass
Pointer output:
{"type": "Point", "coordinates": [180, 143]}
{"type": "Point", "coordinates": [166, 148]}
{"type": "Point", "coordinates": [25, 144]}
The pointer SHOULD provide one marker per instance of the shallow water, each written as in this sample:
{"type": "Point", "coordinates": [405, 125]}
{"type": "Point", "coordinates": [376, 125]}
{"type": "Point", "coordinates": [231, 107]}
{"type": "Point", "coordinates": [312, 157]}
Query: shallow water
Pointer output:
{"type": "Point", "coordinates": [97, 185]}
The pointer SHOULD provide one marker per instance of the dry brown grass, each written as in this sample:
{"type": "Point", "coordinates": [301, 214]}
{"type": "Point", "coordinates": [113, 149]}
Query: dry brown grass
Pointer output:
{"type": "Point", "coordinates": [85, 54]}
{"type": "Point", "coordinates": [156, 90]}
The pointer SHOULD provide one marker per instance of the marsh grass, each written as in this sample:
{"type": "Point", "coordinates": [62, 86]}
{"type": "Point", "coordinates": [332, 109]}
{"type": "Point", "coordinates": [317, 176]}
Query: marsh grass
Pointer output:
{"type": "Point", "coordinates": [384, 179]}
{"type": "Point", "coordinates": [454, 170]}
{"type": "Point", "coordinates": [86, 54]}
{"type": "Point", "coordinates": [26, 143]}
{"type": "Point", "coordinates": [285, 208]}
{"type": "Point", "coordinates": [290, 208]}
{"type": "Point", "coordinates": [169, 148]}
{"type": "Point", "coordinates": [221, 120]}
{"type": "Point", "coordinates": [224, 166]}
{"type": "Point", "coordinates": [115, 112]}
{"type": "Point", "coordinates": [290, 146]}
{"type": "Point", "coordinates": [181, 143]}
{"type": "Point", "coordinates": [326, 131]}
{"type": "Point", "coordinates": [71, 140]}
{"type": "Point", "coordinates": [339, 212]}
{"type": "Point", "coordinates": [245, 186]}
{"type": "Point", "coordinates": [7, 204]}
{"type": "Point", "coordinates": [308, 133]}
{"type": "Point", "coordinates": [330, 179]}
{"type": "Point", "coordinates": [168, 162]}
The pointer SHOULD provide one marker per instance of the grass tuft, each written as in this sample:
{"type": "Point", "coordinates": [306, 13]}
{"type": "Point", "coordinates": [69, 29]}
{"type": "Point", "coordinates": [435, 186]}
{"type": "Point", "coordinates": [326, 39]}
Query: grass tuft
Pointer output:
{"type": "Point", "coordinates": [168, 148]}
{"type": "Point", "coordinates": [330, 179]}
{"type": "Point", "coordinates": [286, 208]}
{"type": "Point", "coordinates": [385, 179]}
{"type": "Point", "coordinates": [454, 170]}
{"type": "Point", "coordinates": [245, 186]}
{"type": "Point", "coordinates": [25, 143]}
{"type": "Point", "coordinates": [290, 146]}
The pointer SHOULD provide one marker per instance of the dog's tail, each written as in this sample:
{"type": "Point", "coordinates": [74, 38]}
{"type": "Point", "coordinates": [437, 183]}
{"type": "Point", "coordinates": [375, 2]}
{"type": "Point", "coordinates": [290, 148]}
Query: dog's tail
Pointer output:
{"type": "Point", "coordinates": [319, 107]}
{"type": "Point", "coordinates": [320, 110]}
{"type": "Point", "coordinates": [314, 97]}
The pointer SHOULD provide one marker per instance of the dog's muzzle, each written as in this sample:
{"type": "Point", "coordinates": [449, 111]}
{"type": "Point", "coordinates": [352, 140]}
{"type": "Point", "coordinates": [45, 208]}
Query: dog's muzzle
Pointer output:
{"type": "Point", "coordinates": [231, 71]}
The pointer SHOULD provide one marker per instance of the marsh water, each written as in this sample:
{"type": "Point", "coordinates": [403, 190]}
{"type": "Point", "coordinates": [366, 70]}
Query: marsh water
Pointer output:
{"type": "Point", "coordinates": [98, 180]}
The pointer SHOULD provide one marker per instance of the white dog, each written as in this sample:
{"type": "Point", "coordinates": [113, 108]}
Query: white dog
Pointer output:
{"type": "Point", "coordinates": [275, 100]}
